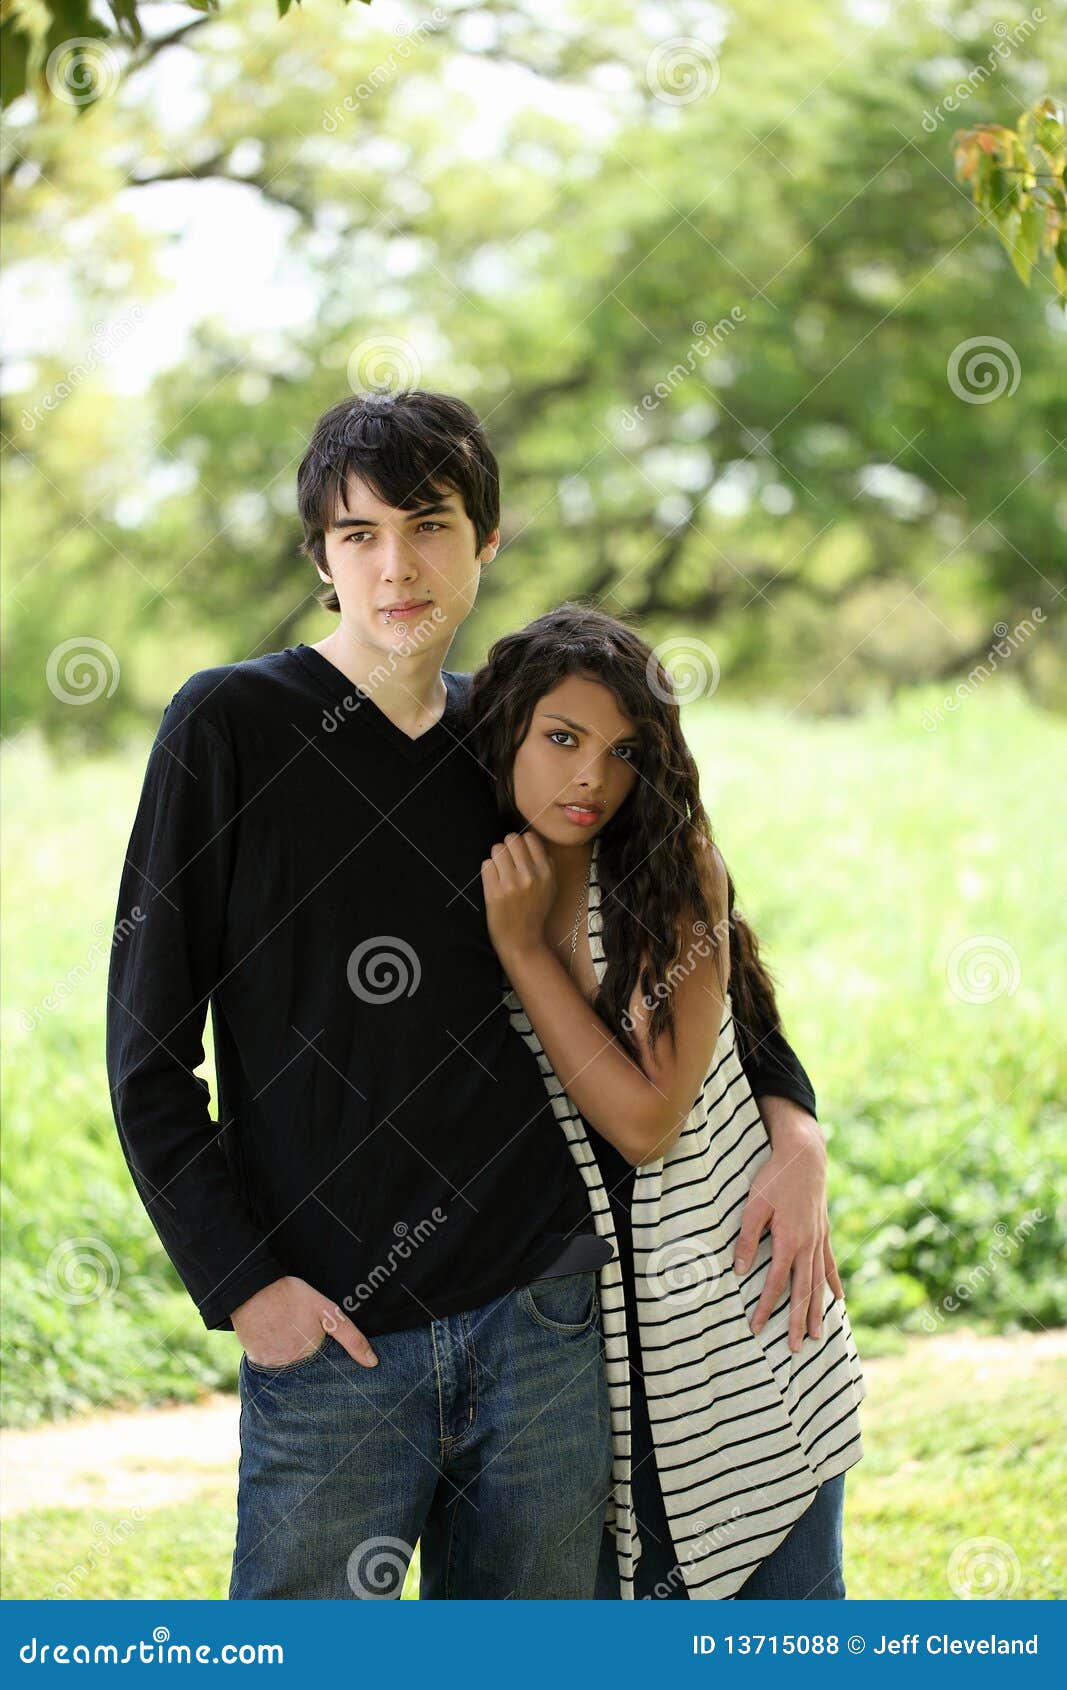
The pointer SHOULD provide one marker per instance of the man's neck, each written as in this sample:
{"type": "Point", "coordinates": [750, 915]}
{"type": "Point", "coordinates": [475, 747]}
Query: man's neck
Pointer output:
{"type": "Point", "coordinates": [406, 687]}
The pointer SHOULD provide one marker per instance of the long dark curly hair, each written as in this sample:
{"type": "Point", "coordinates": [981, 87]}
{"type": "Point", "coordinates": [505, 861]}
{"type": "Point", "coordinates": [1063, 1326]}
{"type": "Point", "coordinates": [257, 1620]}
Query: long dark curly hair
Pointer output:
{"type": "Point", "coordinates": [647, 863]}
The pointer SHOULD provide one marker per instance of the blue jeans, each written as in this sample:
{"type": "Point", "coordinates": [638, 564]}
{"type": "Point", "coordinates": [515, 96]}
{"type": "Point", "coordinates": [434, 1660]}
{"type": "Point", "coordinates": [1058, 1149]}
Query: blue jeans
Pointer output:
{"type": "Point", "coordinates": [484, 1434]}
{"type": "Point", "coordinates": [806, 1566]}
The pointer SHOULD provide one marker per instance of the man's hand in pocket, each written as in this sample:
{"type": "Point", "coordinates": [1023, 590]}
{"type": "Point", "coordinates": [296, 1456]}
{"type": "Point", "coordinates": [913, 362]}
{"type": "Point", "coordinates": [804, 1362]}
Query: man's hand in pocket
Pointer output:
{"type": "Point", "coordinates": [285, 1320]}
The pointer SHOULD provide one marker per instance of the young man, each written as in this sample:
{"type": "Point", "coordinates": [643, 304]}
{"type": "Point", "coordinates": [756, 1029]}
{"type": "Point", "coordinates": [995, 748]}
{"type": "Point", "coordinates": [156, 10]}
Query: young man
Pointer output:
{"type": "Point", "coordinates": [385, 1213]}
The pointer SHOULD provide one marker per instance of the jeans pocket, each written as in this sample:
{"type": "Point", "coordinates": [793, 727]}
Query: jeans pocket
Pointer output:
{"type": "Point", "coordinates": [288, 1366]}
{"type": "Point", "coordinates": [568, 1304]}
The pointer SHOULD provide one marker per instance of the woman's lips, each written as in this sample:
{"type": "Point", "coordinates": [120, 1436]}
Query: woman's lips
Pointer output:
{"type": "Point", "coordinates": [581, 815]}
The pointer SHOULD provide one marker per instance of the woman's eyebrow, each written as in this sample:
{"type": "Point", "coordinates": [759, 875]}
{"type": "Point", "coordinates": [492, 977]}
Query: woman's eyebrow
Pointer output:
{"type": "Point", "coordinates": [579, 728]}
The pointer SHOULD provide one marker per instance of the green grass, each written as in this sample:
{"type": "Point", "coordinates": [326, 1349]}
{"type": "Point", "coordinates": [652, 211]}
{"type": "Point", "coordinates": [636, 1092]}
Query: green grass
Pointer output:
{"type": "Point", "coordinates": [177, 1553]}
{"type": "Point", "coordinates": [865, 850]}
{"type": "Point", "coordinates": [955, 1450]}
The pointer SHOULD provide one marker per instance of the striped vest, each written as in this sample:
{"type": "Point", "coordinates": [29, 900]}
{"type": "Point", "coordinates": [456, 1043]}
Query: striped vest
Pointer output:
{"type": "Point", "coordinates": [745, 1430]}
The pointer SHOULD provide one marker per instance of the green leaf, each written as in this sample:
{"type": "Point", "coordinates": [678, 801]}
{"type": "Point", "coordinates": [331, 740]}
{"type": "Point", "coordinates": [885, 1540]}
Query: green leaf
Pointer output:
{"type": "Point", "coordinates": [1051, 137]}
{"type": "Point", "coordinates": [14, 60]}
{"type": "Point", "coordinates": [129, 24]}
{"type": "Point", "coordinates": [1026, 244]}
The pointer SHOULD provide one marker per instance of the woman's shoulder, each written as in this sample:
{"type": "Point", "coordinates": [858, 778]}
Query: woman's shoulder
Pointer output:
{"type": "Point", "coordinates": [713, 876]}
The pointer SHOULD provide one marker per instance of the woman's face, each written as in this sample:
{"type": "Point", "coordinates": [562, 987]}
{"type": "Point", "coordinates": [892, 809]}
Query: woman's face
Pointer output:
{"type": "Point", "coordinates": [576, 766]}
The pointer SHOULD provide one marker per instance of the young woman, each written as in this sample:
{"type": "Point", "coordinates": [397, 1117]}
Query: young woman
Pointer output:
{"type": "Point", "coordinates": [629, 968]}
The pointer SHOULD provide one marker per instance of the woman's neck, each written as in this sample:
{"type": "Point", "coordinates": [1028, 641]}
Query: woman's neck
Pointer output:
{"type": "Point", "coordinates": [571, 863]}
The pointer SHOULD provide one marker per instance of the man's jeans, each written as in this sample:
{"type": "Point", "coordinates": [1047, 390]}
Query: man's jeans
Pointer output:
{"type": "Point", "coordinates": [484, 1434]}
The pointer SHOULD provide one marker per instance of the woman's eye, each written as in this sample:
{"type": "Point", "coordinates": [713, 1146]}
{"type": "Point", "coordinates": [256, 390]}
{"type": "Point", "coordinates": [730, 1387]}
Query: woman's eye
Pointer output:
{"type": "Point", "coordinates": [630, 752]}
{"type": "Point", "coordinates": [560, 733]}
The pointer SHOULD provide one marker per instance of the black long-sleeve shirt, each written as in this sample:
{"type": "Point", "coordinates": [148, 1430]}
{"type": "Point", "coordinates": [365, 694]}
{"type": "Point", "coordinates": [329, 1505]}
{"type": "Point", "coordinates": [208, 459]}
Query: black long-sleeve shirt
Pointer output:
{"type": "Point", "coordinates": [312, 873]}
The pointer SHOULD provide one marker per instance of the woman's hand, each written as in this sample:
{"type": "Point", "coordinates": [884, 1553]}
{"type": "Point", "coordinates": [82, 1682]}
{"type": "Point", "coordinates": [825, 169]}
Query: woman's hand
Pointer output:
{"type": "Point", "coordinates": [519, 882]}
{"type": "Point", "coordinates": [788, 1193]}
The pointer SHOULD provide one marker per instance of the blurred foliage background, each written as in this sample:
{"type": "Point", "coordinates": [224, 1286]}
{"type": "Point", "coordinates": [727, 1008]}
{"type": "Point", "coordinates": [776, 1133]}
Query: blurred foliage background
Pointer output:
{"type": "Point", "coordinates": [754, 369]}
{"type": "Point", "coordinates": [534, 210]}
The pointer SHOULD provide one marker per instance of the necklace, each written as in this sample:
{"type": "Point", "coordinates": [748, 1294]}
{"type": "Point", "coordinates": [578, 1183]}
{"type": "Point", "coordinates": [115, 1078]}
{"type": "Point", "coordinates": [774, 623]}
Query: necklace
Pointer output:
{"type": "Point", "coordinates": [577, 919]}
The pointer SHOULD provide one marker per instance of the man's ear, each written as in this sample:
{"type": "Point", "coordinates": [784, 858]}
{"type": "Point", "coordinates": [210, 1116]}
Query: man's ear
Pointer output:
{"type": "Point", "coordinates": [490, 549]}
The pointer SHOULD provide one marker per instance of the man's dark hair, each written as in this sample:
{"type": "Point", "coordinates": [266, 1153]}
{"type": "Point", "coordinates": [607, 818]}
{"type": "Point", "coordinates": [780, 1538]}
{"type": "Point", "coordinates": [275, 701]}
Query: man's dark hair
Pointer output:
{"type": "Point", "coordinates": [407, 446]}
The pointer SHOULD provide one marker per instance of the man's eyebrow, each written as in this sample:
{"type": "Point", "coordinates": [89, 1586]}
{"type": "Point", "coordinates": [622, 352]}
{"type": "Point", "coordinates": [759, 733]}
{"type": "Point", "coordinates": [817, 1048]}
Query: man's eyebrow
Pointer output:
{"type": "Point", "coordinates": [434, 509]}
{"type": "Point", "coordinates": [623, 739]}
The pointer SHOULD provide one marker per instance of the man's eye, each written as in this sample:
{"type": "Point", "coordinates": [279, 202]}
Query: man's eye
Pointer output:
{"type": "Point", "coordinates": [363, 534]}
{"type": "Point", "coordinates": [434, 525]}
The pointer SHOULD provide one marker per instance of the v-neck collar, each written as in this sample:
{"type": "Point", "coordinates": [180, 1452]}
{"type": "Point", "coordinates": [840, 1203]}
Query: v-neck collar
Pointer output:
{"type": "Point", "coordinates": [337, 685]}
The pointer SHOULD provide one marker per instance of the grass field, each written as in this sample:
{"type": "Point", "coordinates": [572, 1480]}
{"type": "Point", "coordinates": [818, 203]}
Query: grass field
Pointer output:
{"type": "Point", "coordinates": [962, 1438]}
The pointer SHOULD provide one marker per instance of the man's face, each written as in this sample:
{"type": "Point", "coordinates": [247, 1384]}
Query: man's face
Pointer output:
{"type": "Point", "coordinates": [425, 560]}
{"type": "Point", "coordinates": [576, 766]}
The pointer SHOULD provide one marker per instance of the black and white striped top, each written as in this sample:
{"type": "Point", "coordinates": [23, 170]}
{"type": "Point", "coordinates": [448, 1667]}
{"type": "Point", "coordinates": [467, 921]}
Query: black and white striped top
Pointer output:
{"type": "Point", "coordinates": [745, 1430]}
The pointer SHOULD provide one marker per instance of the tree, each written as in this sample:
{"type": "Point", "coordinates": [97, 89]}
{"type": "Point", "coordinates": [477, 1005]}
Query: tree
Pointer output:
{"type": "Point", "coordinates": [61, 48]}
{"type": "Point", "coordinates": [1019, 181]}
{"type": "Point", "coordinates": [725, 344]}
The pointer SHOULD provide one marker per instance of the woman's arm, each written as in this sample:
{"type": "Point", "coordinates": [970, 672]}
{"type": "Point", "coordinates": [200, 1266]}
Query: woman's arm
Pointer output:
{"type": "Point", "coordinates": [639, 1109]}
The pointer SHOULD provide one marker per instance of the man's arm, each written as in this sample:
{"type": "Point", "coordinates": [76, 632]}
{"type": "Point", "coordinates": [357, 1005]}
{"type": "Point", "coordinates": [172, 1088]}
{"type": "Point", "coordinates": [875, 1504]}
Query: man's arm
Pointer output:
{"type": "Point", "coordinates": [165, 961]}
{"type": "Point", "coordinates": [789, 1191]}
{"type": "Point", "coordinates": [773, 1069]}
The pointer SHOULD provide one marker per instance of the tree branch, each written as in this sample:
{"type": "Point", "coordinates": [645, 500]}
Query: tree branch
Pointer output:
{"type": "Point", "coordinates": [211, 168]}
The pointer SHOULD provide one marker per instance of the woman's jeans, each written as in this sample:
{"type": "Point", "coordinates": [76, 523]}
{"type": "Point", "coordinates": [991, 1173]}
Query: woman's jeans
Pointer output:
{"type": "Point", "coordinates": [806, 1566]}
{"type": "Point", "coordinates": [484, 1434]}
